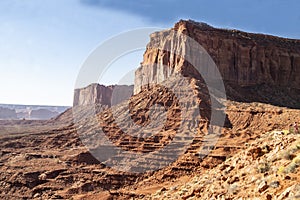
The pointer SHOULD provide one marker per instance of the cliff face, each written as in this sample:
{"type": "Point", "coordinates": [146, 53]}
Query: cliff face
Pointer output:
{"type": "Point", "coordinates": [100, 94]}
{"type": "Point", "coordinates": [243, 59]}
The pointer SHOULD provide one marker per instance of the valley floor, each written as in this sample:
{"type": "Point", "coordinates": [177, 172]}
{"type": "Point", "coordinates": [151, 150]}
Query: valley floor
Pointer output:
{"type": "Point", "coordinates": [257, 158]}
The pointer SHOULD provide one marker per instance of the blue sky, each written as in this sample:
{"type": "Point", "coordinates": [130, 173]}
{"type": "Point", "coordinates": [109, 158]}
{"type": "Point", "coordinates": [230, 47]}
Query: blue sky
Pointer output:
{"type": "Point", "coordinates": [44, 43]}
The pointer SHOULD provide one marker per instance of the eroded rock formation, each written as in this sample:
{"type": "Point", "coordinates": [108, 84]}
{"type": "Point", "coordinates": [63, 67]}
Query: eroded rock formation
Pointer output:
{"type": "Point", "coordinates": [243, 59]}
{"type": "Point", "coordinates": [100, 94]}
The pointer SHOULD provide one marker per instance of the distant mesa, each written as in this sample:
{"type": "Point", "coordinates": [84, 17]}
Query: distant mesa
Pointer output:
{"type": "Point", "coordinates": [31, 112]}
{"type": "Point", "coordinates": [100, 94]}
{"type": "Point", "coordinates": [43, 114]}
{"type": "Point", "coordinates": [6, 113]}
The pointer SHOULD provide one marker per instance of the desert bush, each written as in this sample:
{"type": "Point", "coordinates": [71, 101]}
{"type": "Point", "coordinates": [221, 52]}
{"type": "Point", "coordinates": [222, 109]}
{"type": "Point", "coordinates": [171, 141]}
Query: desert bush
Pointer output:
{"type": "Point", "coordinates": [288, 155]}
{"type": "Point", "coordinates": [281, 169]}
{"type": "Point", "coordinates": [291, 130]}
{"type": "Point", "coordinates": [291, 168]}
{"type": "Point", "coordinates": [263, 167]}
{"type": "Point", "coordinates": [297, 160]}
{"type": "Point", "coordinates": [298, 146]}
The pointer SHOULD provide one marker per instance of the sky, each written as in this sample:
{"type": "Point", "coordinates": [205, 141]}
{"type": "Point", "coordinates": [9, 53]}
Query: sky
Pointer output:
{"type": "Point", "coordinates": [43, 44]}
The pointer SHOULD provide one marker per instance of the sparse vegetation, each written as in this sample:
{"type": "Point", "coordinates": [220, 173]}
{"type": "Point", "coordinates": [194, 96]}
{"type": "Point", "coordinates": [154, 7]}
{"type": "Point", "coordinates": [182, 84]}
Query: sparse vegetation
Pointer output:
{"type": "Point", "coordinates": [281, 169]}
{"type": "Point", "coordinates": [291, 130]}
{"type": "Point", "coordinates": [263, 167]}
{"type": "Point", "coordinates": [297, 160]}
{"type": "Point", "coordinates": [293, 155]}
{"type": "Point", "coordinates": [291, 168]}
{"type": "Point", "coordinates": [288, 155]}
{"type": "Point", "coordinates": [293, 165]}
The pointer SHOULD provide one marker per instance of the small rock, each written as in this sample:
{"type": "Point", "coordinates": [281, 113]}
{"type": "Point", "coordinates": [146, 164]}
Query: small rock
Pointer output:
{"type": "Point", "coordinates": [223, 166]}
{"type": "Point", "coordinates": [228, 169]}
{"type": "Point", "coordinates": [173, 188]}
{"type": "Point", "coordinates": [244, 174]}
{"type": "Point", "coordinates": [233, 180]}
{"type": "Point", "coordinates": [36, 195]}
{"type": "Point", "coordinates": [285, 193]}
{"type": "Point", "coordinates": [56, 196]}
{"type": "Point", "coordinates": [43, 176]}
{"type": "Point", "coordinates": [262, 186]}
{"type": "Point", "coordinates": [233, 188]}
{"type": "Point", "coordinates": [255, 153]}
{"type": "Point", "coordinates": [224, 178]}
{"type": "Point", "coordinates": [274, 184]}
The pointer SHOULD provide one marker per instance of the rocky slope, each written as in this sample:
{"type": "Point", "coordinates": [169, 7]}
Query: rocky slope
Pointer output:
{"type": "Point", "coordinates": [267, 168]}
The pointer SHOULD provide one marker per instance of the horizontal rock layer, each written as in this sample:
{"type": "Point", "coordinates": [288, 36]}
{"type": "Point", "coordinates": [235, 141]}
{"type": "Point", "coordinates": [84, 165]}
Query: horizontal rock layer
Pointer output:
{"type": "Point", "coordinates": [243, 59]}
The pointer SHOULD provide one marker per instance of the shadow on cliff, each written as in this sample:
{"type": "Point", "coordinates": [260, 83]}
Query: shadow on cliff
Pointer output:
{"type": "Point", "coordinates": [277, 96]}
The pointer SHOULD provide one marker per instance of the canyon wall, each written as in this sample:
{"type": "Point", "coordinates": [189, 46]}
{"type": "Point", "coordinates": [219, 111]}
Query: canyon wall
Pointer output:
{"type": "Point", "coordinates": [243, 59]}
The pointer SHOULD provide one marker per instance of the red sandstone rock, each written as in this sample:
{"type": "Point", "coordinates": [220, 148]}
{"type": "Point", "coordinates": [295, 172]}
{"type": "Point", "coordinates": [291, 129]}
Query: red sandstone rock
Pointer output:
{"type": "Point", "coordinates": [243, 59]}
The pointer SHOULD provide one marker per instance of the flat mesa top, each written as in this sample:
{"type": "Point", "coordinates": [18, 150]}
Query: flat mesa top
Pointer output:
{"type": "Point", "coordinates": [191, 26]}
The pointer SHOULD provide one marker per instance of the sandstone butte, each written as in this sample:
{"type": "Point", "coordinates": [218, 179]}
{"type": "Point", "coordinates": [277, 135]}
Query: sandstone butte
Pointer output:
{"type": "Point", "coordinates": [244, 59]}
{"type": "Point", "coordinates": [256, 156]}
